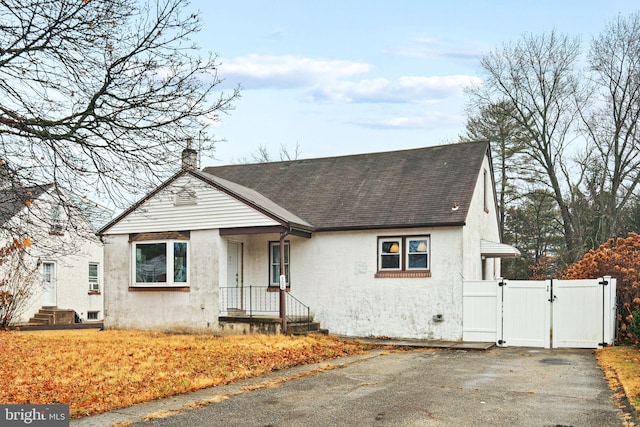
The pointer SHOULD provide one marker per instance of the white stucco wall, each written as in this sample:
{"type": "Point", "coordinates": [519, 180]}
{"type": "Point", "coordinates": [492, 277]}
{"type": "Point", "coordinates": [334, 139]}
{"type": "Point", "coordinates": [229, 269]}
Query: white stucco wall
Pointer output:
{"type": "Point", "coordinates": [71, 252]}
{"type": "Point", "coordinates": [72, 283]}
{"type": "Point", "coordinates": [72, 280]}
{"type": "Point", "coordinates": [336, 276]}
{"type": "Point", "coordinates": [334, 273]}
{"type": "Point", "coordinates": [481, 224]}
{"type": "Point", "coordinates": [164, 310]}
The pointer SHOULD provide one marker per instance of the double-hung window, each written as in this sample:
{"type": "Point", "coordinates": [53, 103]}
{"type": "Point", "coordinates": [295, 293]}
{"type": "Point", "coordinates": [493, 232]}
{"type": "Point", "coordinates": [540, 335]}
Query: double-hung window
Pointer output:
{"type": "Point", "coordinates": [274, 264]}
{"type": "Point", "coordinates": [390, 251]}
{"type": "Point", "coordinates": [94, 281]}
{"type": "Point", "coordinates": [56, 222]}
{"type": "Point", "coordinates": [404, 256]}
{"type": "Point", "coordinates": [160, 263]}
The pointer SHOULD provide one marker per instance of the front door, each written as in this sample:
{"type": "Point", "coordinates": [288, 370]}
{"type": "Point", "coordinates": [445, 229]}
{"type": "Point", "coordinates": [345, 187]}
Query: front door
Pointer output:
{"type": "Point", "coordinates": [49, 284]}
{"type": "Point", "coordinates": [234, 276]}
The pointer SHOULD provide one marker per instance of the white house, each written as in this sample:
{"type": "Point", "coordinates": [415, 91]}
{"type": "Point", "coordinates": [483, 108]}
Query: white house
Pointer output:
{"type": "Point", "coordinates": [64, 248]}
{"type": "Point", "coordinates": [375, 244]}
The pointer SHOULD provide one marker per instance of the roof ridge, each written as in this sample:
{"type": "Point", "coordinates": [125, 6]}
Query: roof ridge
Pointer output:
{"type": "Point", "coordinates": [345, 156]}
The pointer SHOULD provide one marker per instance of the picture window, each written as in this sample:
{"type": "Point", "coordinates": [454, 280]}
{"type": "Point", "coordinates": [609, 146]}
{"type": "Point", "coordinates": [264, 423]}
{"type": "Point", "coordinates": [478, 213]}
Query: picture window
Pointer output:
{"type": "Point", "coordinates": [160, 263]}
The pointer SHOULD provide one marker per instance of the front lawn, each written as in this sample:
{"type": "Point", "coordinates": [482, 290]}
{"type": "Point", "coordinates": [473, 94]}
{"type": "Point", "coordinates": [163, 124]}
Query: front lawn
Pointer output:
{"type": "Point", "coordinates": [95, 371]}
{"type": "Point", "coordinates": [622, 365]}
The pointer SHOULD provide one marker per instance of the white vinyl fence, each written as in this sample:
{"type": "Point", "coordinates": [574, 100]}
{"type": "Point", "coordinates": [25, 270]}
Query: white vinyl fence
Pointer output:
{"type": "Point", "coordinates": [545, 313]}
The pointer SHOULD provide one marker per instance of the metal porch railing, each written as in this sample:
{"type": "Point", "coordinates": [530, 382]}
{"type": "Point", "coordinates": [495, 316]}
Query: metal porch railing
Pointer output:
{"type": "Point", "coordinates": [253, 301]}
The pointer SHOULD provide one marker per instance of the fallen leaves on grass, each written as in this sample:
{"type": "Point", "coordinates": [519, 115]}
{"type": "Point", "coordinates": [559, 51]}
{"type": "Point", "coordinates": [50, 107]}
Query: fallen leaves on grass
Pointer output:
{"type": "Point", "coordinates": [96, 371]}
{"type": "Point", "coordinates": [621, 366]}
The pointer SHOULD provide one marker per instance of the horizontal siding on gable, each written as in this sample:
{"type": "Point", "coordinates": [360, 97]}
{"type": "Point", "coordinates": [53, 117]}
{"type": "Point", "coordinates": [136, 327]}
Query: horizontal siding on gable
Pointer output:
{"type": "Point", "coordinates": [213, 209]}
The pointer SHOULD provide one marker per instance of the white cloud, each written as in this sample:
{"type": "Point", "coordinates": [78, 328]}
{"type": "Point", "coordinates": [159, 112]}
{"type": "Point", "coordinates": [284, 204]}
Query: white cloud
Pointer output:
{"type": "Point", "coordinates": [336, 81]}
{"type": "Point", "coordinates": [287, 71]}
{"type": "Point", "coordinates": [425, 47]}
{"type": "Point", "coordinates": [277, 34]}
{"type": "Point", "coordinates": [427, 120]}
{"type": "Point", "coordinates": [407, 89]}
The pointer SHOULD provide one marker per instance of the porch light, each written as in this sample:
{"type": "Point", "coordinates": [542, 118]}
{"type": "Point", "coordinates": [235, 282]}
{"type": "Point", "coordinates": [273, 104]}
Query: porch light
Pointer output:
{"type": "Point", "coordinates": [394, 249]}
{"type": "Point", "coordinates": [422, 247]}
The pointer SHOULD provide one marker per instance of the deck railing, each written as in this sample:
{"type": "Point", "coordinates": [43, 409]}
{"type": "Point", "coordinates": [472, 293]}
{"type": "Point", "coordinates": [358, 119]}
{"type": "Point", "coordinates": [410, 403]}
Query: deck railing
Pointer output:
{"type": "Point", "coordinates": [255, 301]}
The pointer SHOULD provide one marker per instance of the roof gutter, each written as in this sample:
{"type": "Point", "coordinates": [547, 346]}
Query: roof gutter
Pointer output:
{"type": "Point", "coordinates": [393, 226]}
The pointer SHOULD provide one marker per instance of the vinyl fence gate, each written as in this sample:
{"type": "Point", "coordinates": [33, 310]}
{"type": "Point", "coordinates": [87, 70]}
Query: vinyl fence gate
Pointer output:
{"type": "Point", "coordinates": [540, 313]}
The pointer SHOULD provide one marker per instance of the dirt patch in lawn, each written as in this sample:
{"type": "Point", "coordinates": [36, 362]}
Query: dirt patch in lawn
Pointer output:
{"type": "Point", "coordinates": [97, 371]}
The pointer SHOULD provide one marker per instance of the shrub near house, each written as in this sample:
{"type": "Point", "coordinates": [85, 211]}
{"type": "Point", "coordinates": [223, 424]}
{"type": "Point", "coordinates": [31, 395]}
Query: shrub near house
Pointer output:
{"type": "Point", "coordinates": [619, 258]}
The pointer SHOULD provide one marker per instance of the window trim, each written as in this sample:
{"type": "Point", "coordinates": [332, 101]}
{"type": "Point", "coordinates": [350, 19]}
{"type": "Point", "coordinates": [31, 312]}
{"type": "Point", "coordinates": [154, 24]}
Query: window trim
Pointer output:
{"type": "Point", "coordinates": [170, 260]}
{"type": "Point", "coordinates": [486, 188]}
{"type": "Point", "coordinates": [403, 252]}
{"type": "Point", "coordinates": [408, 253]}
{"type": "Point", "coordinates": [287, 264]}
{"type": "Point", "coordinates": [392, 252]}
{"type": "Point", "coordinates": [56, 220]}
{"type": "Point", "coordinates": [97, 278]}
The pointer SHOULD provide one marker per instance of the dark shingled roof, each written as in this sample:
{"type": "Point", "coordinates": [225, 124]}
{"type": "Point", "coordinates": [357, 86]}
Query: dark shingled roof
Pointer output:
{"type": "Point", "coordinates": [405, 188]}
{"type": "Point", "coordinates": [13, 200]}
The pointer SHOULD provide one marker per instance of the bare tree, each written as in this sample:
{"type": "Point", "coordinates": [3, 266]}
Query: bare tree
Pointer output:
{"type": "Point", "coordinates": [99, 97]}
{"type": "Point", "coordinates": [612, 126]}
{"type": "Point", "coordinates": [262, 155]}
{"type": "Point", "coordinates": [537, 77]}
{"type": "Point", "coordinates": [495, 123]}
{"type": "Point", "coordinates": [17, 281]}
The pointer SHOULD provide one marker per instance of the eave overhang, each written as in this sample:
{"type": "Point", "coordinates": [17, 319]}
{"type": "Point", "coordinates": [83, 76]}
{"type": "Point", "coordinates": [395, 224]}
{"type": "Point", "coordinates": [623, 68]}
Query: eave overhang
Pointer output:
{"type": "Point", "coordinates": [497, 250]}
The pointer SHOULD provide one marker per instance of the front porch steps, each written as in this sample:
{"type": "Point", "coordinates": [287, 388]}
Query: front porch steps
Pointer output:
{"type": "Point", "coordinates": [303, 327]}
{"type": "Point", "coordinates": [53, 316]}
{"type": "Point", "coordinates": [240, 323]}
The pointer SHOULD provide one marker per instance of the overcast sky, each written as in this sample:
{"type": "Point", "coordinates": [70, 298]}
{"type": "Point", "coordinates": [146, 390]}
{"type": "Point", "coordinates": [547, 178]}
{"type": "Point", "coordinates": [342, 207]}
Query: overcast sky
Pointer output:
{"type": "Point", "coordinates": [346, 77]}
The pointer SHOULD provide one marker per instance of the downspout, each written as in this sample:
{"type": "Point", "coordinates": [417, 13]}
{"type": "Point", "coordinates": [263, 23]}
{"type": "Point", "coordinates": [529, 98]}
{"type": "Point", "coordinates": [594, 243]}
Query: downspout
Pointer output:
{"type": "Point", "coordinates": [283, 284]}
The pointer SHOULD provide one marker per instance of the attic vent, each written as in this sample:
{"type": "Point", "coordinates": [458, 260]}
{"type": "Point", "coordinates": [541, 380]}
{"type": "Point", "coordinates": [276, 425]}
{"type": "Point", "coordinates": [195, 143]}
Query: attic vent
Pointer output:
{"type": "Point", "coordinates": [185, 197]}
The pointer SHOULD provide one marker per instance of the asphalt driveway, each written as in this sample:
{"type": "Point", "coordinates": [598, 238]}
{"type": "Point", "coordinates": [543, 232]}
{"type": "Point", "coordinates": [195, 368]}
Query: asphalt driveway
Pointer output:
{"type": "Point", "coordinates": [498, 387]}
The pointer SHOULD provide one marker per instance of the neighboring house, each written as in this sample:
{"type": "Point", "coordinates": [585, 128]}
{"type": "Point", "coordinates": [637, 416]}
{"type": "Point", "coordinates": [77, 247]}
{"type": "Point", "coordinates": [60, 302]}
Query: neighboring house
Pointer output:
{"type": "Point", "coordinates": [376, 244]}
{"type": "Point", "coordinates": [64, 247]}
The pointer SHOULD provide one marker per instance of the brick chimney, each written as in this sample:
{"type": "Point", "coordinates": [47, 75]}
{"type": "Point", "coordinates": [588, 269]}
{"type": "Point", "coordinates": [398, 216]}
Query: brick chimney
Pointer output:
{"type": "Point", "coordinates": [189, 158]}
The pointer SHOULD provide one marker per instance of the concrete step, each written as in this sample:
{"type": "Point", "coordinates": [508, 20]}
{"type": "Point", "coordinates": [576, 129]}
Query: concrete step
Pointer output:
{"type": "Point", "coordinates": [42, 319]}
{"type": "Point", "coordinates": [53, 316]}
{"type": "Point", "coordinates": [304, 328]}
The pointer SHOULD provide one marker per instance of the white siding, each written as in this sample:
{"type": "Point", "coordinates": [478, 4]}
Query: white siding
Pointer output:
{"type": "Point", "coordinates": [213, 209]}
